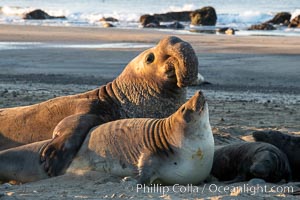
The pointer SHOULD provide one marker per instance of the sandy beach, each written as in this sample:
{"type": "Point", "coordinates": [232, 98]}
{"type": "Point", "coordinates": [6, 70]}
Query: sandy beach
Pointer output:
{"type": "Point", "coordinates": [254, 80]}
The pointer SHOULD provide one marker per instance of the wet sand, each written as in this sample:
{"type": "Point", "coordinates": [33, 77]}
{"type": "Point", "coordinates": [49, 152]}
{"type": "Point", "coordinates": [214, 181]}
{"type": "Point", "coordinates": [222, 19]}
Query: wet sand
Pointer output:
{"type": "Point", "coordinates": [255, 85]}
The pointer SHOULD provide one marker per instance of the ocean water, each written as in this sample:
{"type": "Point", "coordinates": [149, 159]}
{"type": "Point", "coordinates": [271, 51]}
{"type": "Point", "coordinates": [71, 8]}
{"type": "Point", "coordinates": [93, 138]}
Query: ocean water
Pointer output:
{"type": "Point", "coordinates": [238, 14]}
{"type": "Point", "coordinates": [41, 45]}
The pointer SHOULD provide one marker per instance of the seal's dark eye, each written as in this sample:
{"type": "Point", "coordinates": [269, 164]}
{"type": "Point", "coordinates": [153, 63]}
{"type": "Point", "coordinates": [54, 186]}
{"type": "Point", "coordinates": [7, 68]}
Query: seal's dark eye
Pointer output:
{"type": "Point", "coordinates": [150, 58]}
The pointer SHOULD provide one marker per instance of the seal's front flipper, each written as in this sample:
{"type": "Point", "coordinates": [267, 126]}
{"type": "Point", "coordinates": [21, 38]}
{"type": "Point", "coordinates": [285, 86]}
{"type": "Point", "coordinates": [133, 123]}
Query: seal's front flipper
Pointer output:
{"type": "Point", "coordinates": [69, 134]}
{"type": "Point", "coordinates": [146, 168]}
{"type": "Point", "coordinates": [22, 164]}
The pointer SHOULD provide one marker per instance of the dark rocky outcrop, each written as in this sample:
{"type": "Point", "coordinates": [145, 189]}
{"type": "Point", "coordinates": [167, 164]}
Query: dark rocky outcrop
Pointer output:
{"type": "Point", "coordinates": [150, 21]}
{"type": "Point", "coordinates": [40, 14]}
{"type": "Point", "coordinates": [263, 26]}
{"type": "Point", "coordinates": [108, 19]}
{"type": "Point", "coordinates": [147, 20]}
{"type": "Point", "coordinates": [205, 16]}
{"type": "Point", "coordinates": [226, 30]}
{"type": "Point", "coordinates": [166, 17]}
{"type": "Point", "coordinates": [295, 23]}
{"type": "Point", "coordinates": [281, 18]}
{"type": "Point", "coordinates": [173, 16]}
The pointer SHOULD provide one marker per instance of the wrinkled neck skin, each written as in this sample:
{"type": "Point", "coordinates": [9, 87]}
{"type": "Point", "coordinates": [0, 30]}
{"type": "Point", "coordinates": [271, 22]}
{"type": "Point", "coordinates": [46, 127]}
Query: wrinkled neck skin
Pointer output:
{"type": "Point", "coordinates": [152, 84]}
{"type": "Point", "coordinates": [198, 129]}
{"type": "Point", "coordinates": [140, 97]}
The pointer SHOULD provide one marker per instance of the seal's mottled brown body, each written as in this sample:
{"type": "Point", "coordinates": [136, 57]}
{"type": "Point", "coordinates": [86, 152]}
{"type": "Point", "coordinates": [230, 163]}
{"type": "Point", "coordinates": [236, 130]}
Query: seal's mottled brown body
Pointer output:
{"type": "Point", "coordinates": [178, 149]}
{"type": "Point", "coordinates": [151, 85]}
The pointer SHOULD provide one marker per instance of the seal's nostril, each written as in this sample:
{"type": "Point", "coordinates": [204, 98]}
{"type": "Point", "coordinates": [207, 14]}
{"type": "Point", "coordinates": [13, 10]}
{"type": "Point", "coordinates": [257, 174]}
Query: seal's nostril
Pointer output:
{"type": "Point", "coordinates": [199, 93]}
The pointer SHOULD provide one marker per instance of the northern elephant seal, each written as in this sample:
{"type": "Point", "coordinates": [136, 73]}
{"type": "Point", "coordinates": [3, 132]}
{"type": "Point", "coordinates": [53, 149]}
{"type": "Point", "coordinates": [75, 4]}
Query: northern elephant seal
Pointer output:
{"type": "Point", "coordinates": [178, 149]}
{"type": "Point", "coordinates": [152, 85]}
{"type": "Point", "coordinates": [243, 161]}
{"type": "Point", "coordinates": [289, 144]}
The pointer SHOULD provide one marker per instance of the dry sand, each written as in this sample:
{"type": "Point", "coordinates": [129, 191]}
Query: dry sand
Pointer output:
{"type": "Point", "coordinates": [255, 85]}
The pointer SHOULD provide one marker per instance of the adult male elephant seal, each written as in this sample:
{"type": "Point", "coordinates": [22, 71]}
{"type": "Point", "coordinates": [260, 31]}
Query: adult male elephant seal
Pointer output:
{"type": "Point", "coordinates": [289, 144]}
{"type": "Point", "coordinates": [152, 85]}
{"type": "Point", "coordinates": [244, 161]}
{"type": "Point", "coordinates": [178, 149]}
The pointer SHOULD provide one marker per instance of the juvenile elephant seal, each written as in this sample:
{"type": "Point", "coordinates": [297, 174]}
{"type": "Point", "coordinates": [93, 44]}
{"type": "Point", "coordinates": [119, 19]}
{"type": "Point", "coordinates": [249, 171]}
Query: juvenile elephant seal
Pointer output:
{"type": "Point", "coordinates": [152, 85]}
{"type": "Point", "coordinates": [178, 149]}
{"type": "Point", "coordinates": [243, 161]}
{"type": "Point", "coordinates": [289, 144]}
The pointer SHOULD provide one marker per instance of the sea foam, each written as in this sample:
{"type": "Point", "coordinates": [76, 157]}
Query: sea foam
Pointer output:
{"type": "Point", "coordinates": [239, 15]}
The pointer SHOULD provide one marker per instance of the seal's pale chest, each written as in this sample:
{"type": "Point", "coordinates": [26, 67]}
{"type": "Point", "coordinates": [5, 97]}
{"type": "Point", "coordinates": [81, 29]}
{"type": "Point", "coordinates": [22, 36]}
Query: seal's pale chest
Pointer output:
{"type": "Point", "coordinates": [193, 161]}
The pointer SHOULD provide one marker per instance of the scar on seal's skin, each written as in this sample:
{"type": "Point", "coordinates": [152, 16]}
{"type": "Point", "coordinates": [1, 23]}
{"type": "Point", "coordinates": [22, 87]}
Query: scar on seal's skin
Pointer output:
{"type": "Point", "coordinates": [198, 154]}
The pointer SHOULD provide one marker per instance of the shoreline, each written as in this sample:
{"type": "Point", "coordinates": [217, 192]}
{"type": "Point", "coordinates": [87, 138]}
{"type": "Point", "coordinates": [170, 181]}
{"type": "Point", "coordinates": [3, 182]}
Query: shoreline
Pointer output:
{"type": "Point", "coordinates": [208, 42]}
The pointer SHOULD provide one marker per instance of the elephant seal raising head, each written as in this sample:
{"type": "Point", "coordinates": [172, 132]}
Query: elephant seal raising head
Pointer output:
{"type": "Point", "coordinates": [178, 149]}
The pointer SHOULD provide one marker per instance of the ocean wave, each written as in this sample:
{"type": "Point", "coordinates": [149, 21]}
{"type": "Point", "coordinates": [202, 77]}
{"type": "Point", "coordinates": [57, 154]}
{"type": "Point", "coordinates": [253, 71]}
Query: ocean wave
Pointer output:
{"type": "Point", "coordinates": [295, 13]}
{"type": "Point", "coordinates": [7, 13]}
{"type": "Point", "coordinates": [20, 11]}
{"type": "Point", "coordinates": [249, 17]}
{"type": "Point", "coordinates": [14, 10]}
{"type": "Point", "coordinates": [129, 18]}
{"type": "Point", "coordinates": [185, 7]}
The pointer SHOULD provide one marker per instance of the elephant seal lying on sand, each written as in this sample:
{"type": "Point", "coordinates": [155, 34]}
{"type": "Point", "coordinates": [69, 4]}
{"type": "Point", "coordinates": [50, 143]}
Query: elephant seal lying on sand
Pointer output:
{"type": "Point", "coordinates": [243, 161]}
{"type": "Point", "coordinates": [288, 144]}
{"type": "Point", "coordinates": [178, 149]}
{"type": "Point", "coordinates": [152, 85]}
